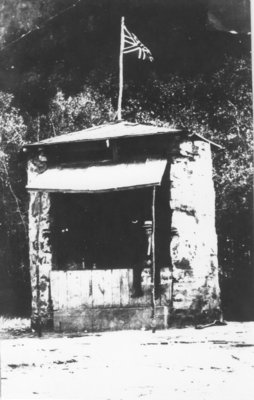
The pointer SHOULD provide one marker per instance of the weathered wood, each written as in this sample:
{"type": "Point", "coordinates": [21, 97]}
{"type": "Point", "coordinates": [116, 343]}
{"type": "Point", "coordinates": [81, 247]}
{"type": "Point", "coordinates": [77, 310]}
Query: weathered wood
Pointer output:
{"type": "Point", "coordinates": [73, 289]}
{"type": "Point", "coordinates": [86, 296]}
{"type": "Point", "coordinates": [62, 290]}
{"type": "Point", "coordinates": [58, 283]}
{"type": "Point", "coordinates": [124, 287]}
{"type": "Point", "coordinates": [115, 284]}
{"type": "Point", "coordinates": [120, 95]}
{"type": "Point", "coordinates": [153, 254]}
{"type": "Point", "coordinates": [105, 288]}
{"type": "Point", "coordinates": [54, 285]}
{"type": "Point", "coordinates": [98, 288]}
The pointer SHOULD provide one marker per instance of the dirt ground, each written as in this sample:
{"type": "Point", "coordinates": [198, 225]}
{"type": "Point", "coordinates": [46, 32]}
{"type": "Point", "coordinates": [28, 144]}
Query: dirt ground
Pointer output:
{"type": "Point", "coordinates": [207, 364]}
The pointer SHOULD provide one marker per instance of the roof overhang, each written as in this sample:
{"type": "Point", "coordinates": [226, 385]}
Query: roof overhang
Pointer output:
{"type": "Point", "coordinates": [110, 131]}
{"type": "Point", "coordinates": [100, 177]}
{"type": "Point", "coordinates": [197, 136]}
{"type": "Point", "coordinates": [116, 131]}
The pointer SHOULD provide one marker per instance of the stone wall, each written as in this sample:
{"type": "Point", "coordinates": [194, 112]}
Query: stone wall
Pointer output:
{"type": "Point", "coordinates": [194, 242]}
{"type": "Point", "coordinates": [40, 251]}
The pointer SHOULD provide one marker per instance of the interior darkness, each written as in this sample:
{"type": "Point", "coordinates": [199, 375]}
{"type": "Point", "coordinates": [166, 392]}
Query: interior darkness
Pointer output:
{"type": "Point", "coordinates": [106, 230]}
{"type": "Point", "coordinates": [120, 150]}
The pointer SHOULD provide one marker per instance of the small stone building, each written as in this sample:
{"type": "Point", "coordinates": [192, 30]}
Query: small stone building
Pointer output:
{"type": "Point", "coordinates": [122, 228]}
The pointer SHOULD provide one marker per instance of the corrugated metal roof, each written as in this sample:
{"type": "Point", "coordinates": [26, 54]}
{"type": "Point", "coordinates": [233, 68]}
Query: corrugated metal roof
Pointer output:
{"type": "Point", "coordinates": [99, 178]}
{"type": "Point", "coordinates": [108, 131]}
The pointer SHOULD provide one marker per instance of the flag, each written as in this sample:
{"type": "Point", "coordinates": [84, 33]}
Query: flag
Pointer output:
{"type": "Point", "coordinates": [132, 43]}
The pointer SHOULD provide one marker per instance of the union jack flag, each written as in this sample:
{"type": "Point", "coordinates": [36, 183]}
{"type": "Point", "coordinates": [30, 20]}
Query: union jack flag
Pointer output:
{"type": "Point", "coordinates": [132, 43]}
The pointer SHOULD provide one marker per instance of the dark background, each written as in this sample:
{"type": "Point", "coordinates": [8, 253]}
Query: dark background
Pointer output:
{"type": "Point", "coordinates": [202, 66]}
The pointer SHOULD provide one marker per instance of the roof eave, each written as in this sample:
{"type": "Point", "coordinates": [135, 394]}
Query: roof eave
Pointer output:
{"type": "Point", "coordinates": [65, 142]}
{"type": "Point", "coordinates": [206, 140]}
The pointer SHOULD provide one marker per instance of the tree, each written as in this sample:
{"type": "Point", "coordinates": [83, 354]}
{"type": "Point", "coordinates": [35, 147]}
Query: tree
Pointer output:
{"type": "Point", "coordinates": [13, 131]}
{"type": "Point", "coordinates": [86, 109]}
{"type": "Point", "coordinates": [13, 221]}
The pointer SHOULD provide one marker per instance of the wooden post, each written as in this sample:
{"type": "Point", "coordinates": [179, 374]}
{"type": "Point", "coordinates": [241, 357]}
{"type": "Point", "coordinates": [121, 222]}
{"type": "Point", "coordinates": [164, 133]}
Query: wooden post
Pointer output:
{"type": "Point", "coordinates": [38, 292]}
{"type": "Point", "coordinates": [153, 262]}
{"type": "Point", "coordinates": [119, 109]}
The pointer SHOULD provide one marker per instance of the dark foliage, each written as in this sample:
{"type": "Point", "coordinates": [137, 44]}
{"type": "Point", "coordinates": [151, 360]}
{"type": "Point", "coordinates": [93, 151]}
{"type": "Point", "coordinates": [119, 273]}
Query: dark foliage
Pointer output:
{"type": "Point", "coordinates": [64, 76]}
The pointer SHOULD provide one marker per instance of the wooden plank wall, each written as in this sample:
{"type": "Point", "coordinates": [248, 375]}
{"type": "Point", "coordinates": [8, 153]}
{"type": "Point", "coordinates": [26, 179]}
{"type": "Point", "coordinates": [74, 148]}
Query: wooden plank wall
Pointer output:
{"type": "Point", "coordinates": [99, 288]}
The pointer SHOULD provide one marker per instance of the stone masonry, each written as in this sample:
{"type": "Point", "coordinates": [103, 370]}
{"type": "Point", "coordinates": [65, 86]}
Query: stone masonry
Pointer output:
{"type": "Point", "coordinates": [194, 242]}
{"type": "Point", "coordinates": [40, 251]}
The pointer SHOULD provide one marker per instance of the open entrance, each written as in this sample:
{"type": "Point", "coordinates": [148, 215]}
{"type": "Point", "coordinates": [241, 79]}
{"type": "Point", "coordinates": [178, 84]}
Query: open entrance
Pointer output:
{"type": "Point", "coordinates": [100, 231]}
{"type": "Point", "coordinates": [108, 230]}
{"type": "Point", "coordinates": [103, 262]}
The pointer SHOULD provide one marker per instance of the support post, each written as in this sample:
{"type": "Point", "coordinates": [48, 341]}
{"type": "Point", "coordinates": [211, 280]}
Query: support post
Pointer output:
{"type": "Point", "coordinates": [38, 292]}
{"type": "Point", "coordinates": [120, 95]}
{"type": "Point", "coordinates": [153, 261]}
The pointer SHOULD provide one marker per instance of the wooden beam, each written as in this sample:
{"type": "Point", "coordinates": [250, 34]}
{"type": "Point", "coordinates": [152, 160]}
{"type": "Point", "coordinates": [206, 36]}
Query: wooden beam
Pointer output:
{"type": "Point", "coordinates": [120, 95]}
{"type": "Point", "coordinates": [37, 270]}
{"type": "Point", "coordinates": [93, 191]}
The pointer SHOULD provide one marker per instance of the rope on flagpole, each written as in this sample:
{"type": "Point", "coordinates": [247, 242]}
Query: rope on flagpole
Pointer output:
{"type": "Point", "coordinates": [120, 96]}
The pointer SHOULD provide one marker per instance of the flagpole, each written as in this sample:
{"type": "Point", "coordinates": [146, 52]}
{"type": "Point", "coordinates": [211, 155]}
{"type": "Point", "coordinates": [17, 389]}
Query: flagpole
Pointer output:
{"type": "Point", "coordinates": [120, 95]}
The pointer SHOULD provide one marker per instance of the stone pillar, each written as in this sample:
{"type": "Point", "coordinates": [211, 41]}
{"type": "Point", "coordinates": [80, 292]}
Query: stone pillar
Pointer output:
{"type": "Point", "coordinates": [40, 251]}
{"type": "Point", "coordinates": [193, 246]}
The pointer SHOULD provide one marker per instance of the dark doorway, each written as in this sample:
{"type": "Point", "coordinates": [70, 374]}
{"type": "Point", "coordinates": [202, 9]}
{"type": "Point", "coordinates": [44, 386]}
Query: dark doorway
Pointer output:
{"type": "Point", "coordinates": [102, 230]}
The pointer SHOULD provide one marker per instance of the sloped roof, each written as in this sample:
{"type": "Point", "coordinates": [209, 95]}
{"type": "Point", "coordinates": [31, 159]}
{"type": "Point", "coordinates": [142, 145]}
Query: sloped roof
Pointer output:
{"type": "Point", "coordinates": [115, 130]}
{"type": "Point", "coordinates": [108, 131]}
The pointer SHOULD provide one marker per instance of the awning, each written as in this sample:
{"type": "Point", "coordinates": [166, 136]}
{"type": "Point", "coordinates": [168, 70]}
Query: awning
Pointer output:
{"type": "Point", "coordinates": [99, 178]}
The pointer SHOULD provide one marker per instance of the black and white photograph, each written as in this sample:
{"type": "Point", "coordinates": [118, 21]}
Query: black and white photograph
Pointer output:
{"type": "Point", "coordinates": [126, 200]}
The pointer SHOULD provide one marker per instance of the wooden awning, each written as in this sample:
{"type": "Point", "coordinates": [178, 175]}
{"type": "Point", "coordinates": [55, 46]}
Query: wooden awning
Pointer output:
{"type": "Point", "coordinates": [100, 177]}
